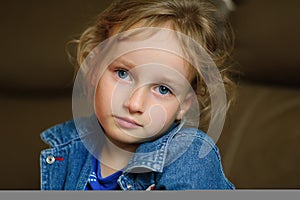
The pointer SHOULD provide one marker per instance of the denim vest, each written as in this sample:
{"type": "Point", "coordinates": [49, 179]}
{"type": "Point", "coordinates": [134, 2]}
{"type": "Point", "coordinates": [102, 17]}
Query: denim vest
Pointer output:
{"type": "Point", "coordinates": [181, 159]}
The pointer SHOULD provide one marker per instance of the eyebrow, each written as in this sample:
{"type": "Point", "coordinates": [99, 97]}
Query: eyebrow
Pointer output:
{"type": "Point", "coordinates": [172, 82]}
{"type": "Point", "coordinates": [125, 62]}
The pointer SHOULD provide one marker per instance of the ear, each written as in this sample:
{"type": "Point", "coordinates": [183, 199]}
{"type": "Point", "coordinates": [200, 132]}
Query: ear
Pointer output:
{"type": "Point", "coordinates": [185, 105]}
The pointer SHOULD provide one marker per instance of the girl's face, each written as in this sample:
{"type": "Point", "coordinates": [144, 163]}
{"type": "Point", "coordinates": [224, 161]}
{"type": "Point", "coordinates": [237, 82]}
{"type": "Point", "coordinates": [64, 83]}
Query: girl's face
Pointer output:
{"type": "Point", "coordinates": [140, 95]}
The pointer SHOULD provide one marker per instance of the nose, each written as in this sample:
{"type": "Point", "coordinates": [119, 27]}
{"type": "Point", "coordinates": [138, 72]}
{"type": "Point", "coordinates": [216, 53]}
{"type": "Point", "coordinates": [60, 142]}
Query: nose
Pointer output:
{"type": "Point", "coordinates": [136, 101]}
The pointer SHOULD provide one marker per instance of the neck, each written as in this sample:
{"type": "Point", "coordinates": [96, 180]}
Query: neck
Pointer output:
{"type": "Point", "coordinates": [114, 157]}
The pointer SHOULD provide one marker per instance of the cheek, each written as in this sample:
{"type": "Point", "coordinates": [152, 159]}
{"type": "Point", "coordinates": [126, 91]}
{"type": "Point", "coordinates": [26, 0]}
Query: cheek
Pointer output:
{"type": "Point", "coordinates": [172, 107]}
{"type": "Point", "coordinates": [106, 86]}
{"type": "Point", "coordinates": [160, 119]}
{"type": "Point", "coordinates": [163, 114]}
{"type": "Point", "coordinates": [103, 96]}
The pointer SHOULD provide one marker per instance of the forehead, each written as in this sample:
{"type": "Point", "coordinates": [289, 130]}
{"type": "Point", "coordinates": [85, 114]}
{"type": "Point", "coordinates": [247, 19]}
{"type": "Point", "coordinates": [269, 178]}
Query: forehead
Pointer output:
{"type": "Point", "coordinates": [155, 57]}
{"type": "Point", "coordinates": [158, 45]}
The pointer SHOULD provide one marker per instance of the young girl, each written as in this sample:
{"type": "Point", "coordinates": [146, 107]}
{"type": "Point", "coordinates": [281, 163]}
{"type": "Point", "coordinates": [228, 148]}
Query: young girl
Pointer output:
{"type": "Point", "coordinates": [151, 73]}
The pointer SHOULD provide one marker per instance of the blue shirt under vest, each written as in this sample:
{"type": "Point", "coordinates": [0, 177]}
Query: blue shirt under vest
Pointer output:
{"type": "Point", "coordinates": [96, 182]}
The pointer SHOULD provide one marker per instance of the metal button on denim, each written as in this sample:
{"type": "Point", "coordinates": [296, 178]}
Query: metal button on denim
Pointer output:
{"type": "Point", "coordinates": [50, 160]}
{"type": "Point", "coordinates": [129, 187]}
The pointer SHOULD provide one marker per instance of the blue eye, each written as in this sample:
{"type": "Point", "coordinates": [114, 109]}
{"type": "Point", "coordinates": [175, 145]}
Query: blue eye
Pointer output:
{"type": "Point", "coordinates": [163, 90]}
{"type": "Point", "coordinates": [122, 74]}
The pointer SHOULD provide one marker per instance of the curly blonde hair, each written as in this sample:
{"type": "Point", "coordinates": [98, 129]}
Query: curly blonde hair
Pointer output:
{"type": "Point", "coordinates": [205, 21]}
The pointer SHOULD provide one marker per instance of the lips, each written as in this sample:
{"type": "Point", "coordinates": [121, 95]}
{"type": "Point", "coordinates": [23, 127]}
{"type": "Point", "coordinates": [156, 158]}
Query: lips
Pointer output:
{"type": "Point", "coordinates": [126, 122]}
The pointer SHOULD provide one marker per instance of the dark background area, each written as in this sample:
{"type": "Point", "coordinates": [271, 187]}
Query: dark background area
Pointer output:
{"type": "Point", "coordinates": [261, 138]}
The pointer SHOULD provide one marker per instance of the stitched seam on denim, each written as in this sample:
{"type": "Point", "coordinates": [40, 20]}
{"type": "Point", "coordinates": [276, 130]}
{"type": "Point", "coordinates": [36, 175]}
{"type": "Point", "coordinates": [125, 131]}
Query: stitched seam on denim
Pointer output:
{"type": "Point", "coordinates": [198, 136]}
